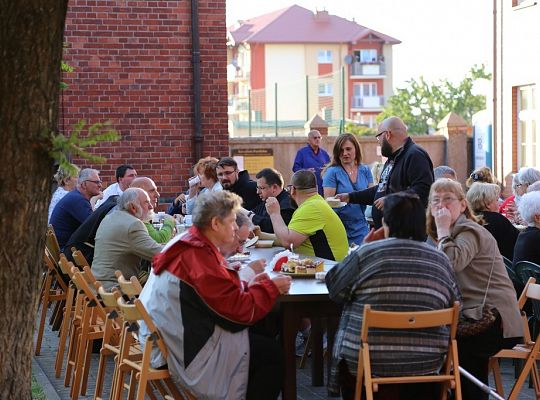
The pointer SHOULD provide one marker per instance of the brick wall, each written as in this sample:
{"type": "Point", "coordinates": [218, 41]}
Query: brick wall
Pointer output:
{"type": "Point", "coordinates": [133, 66]}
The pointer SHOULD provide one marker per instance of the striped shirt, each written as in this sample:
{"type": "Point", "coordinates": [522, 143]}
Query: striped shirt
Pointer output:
{"type": "Point", "coordinates": [391, 275]}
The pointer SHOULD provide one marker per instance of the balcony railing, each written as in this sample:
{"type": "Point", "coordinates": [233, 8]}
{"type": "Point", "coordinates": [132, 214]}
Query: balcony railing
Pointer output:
{"type": "Point", "coordinates": [368, 69]}
{"type": "Point", "coordinates": [367, 102]}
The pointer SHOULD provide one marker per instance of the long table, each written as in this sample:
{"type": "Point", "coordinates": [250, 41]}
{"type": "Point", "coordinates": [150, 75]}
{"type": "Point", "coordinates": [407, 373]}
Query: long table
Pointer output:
{"type": "Point", "coordinates": [307, 297]}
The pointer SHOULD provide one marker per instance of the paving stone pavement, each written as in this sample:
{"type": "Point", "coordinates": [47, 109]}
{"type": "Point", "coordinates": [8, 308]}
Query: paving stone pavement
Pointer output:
{"type": "Point", "coordinates": [43, 369]}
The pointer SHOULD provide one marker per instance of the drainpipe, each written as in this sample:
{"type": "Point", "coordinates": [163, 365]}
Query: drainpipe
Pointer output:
{"type": "Point", "coordinates": [494, 124]}
{"type": "Point", "coordinates": [196, 60]}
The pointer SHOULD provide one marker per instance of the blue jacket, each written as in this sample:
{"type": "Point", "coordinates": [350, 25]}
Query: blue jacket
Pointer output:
{"type": "Point", "coordinates": [306, 158]}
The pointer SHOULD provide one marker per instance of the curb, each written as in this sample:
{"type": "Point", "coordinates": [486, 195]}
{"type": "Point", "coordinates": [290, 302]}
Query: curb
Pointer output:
{"type": "Point", "coordinates": [43, 380]}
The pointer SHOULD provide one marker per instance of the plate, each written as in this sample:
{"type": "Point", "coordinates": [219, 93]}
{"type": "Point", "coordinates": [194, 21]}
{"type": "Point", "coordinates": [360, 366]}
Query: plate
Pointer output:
{"type": "Point", "coordinates": [264, 243]}
{"type": "Point", "coordinates": [239, 257]}
{"type": "Point", "coordinates": [251, 242]}
{"type": "Point", "coordinates": [341, 204]}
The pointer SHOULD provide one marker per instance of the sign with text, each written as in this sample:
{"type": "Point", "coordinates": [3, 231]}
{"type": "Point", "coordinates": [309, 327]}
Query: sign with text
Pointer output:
{"type": "Point", "coordinates": [254, 159]}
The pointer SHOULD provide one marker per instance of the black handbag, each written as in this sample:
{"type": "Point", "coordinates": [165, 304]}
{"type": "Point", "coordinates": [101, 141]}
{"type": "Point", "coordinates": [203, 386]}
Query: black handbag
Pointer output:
{"type": "Point", "coordinates": [476, 320]}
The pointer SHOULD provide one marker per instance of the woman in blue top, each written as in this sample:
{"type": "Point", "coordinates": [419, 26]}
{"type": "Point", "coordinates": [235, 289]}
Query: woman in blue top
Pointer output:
{"type": "Point", "coordinates": [344, 174]}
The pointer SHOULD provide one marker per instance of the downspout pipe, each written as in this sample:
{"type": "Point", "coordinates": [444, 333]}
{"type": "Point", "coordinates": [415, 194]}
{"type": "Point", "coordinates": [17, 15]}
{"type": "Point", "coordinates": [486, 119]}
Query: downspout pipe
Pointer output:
{"type": "Point", "coordinates": [196, 61]}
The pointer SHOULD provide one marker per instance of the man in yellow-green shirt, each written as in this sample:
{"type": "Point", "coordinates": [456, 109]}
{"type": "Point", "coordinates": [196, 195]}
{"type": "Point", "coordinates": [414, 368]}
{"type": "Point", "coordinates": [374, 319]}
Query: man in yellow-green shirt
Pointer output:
{"type": "Point", "coordinates": [315, 229]}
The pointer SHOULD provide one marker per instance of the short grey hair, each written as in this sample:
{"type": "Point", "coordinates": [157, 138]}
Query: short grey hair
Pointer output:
{"type": "Point", "coordinates": [528, 175]}
{"type": "Point", "coordinates": [529, 206]}
{"type": "Point", "coordinates": [129, 197]}
{"type": "Point", "coordinates": [304, 181]}
{"type": "Point", "coordinates": [242, 219]}
{"type": "Point", "coordinates": [534, 187]}
{"type": "Point", "coordinates": [313, 132]}
{"type": "Point", "coordinates": [442, 170]}
{"type": "Point", "coordinates": [214, 204]}
{"type": "Point", "coordinates": [85, 174]}
{"type": "Point", "coordinates": [481, 194]}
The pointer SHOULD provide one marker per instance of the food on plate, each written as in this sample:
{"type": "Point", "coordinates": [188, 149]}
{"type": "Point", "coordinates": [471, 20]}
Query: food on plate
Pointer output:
{"type": "Point", "coordinates": [333, 202]}
{"type": "Point", "coordinates": [303, 266]}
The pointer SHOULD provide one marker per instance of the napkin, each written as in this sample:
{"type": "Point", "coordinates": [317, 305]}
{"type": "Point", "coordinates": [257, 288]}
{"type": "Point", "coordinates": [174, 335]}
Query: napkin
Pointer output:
{"type": "Point", "coordinates": [280, 258]}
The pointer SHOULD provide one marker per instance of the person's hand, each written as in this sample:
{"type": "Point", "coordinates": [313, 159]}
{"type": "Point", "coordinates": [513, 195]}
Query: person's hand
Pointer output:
{"type": "Point", "coordinates": [257, 266]}
{"type": "Point", "coordinates": [443, 220]}
{"type": "Point", "coordinates": [272, 206]}
{"type": "Point", "coordinates": [374, 235]}
{"type": "Point", "coordinates": [379, 203]}
{"type": "Point", "coordinates": [311, 169]}
{"type": "Point", "coordinates": [283, 283]}
{"type": "Point", "coordinates": [181, 198]}
{"type": "Point", "coordinates": [342, 197]}
{"type": "Point", "coordinates": [511, 211]}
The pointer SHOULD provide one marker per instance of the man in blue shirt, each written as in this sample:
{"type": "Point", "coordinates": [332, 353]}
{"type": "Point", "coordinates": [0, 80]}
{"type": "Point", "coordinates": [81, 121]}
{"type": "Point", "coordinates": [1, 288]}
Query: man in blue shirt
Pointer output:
{"type": "Point", "coordinates": [74, 208]}
{"type": "Point", "coordinates": [312, 157]}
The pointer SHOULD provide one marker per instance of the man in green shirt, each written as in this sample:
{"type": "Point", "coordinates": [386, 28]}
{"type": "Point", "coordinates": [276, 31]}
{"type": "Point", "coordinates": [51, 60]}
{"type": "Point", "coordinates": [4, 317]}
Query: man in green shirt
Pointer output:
{"type": "Point", "coordinates": [315, 229]}
{"type": "Point", "coordinates": [167, 231]}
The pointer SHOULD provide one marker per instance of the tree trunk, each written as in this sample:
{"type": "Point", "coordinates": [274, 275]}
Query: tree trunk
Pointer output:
{"type": "Point", "coordinates": [31, 33]}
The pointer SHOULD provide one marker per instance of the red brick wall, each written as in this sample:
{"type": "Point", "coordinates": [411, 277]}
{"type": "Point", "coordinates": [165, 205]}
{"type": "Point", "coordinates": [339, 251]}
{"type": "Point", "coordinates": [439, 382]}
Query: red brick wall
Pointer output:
{"type": "Point", "coordinates": [133, 66]}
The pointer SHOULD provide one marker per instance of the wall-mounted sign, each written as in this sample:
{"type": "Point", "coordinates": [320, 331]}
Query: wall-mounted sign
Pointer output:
{"type": "Point", "coordinates": [254, 159]}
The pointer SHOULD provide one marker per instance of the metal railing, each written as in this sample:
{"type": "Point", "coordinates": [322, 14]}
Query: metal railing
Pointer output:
{"type": "Point", "coordinates": [368, 69]}
{"type": "Point", "coordinates": [367, 102]}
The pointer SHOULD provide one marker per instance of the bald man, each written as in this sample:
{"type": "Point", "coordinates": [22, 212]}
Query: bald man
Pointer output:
{"type": "Point", "coordinates": [167, 231]}
{"type": "Point", "coordinates": [312, 157]}
{"type": "Point", "coordinates": [408, 167]}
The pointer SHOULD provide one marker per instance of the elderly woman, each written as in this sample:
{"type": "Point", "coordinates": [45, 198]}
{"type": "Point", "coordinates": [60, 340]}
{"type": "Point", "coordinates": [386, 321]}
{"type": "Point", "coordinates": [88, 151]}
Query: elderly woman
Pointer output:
{"type": "Point", "coordinates": [379, 273]}
{"type": "Point", "coordinates": [480, 274]}
{"type": "Point", "coordinates": [67, 181]}
{"type": "Point", "coordinates": [483, 200]}
{"type": "Point", "coordinates": [203, 310]}
{"type": "Point", "coordinates": [520, 183]}
{"type": "Point", "coordinates": [206, 171]}
{"type": "Point", "coordinates": [527, 245]}
{"type": "Point", "coordinates": [346, 174]}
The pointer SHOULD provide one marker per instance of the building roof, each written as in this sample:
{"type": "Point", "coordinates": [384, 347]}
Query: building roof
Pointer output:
{"type": "Point", "coordinates": [296, 24]}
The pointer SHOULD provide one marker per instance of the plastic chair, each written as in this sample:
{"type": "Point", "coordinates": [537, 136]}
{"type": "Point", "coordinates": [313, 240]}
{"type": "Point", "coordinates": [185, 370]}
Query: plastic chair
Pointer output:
{"type": "Point", "coordinates": [524, 271]}
{"type": "Point", "coordinates": [409, 320]}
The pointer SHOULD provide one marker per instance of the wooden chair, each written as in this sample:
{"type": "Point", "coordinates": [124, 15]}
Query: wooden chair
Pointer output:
{"type": "Point", "coordinates": [529, 351]}
{"type": "Point", "coordinates": [409, 320]}
{"type": "Point", "coordinates": [54, 290]}
{"type": "Point", "coordinates": [79, 258]}
{"type": "Point", "coordinates": [51, 244]}
{"type": "Point", "coordinates": [91, 327]}
{"type": "Point", "coordinates": [132, 288]}
{"type": "Point", "coordinates": [141, 371]}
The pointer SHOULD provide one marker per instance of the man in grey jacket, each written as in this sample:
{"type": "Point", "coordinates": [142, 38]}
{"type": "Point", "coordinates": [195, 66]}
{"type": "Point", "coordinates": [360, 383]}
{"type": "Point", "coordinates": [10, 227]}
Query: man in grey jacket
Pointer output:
{"type": "Point", "coordinates": [122, 240]}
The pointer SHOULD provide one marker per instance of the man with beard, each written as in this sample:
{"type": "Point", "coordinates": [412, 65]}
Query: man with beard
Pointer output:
{"type": "Point", "coordinates": [408, 167]}
{"type": "Point", "coordinates": [122, 240]}
{"type": "Point", "coordinates": [237, 182]}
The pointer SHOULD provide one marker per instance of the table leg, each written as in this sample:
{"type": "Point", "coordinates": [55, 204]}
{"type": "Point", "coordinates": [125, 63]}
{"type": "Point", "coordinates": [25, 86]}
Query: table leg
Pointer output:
{"type": "Point", "coordinates": [289, 329]}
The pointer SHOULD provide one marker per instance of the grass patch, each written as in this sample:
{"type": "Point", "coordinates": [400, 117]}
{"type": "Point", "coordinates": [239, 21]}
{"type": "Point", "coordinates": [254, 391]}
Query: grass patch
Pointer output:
{"type": "Point", "coordinates": [37, 391]}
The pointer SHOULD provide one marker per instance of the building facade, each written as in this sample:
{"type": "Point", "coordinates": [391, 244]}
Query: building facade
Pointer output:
{"type": "Point", "coordinates": [293, 63]}
{"type": "Point", "coordinates": [134, 65]}
{"type": "Point", "coordinates": [516, 80]}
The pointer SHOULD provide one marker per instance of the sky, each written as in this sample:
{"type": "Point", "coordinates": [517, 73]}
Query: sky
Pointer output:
{"type": "Point", "coordinates": [440, 39]}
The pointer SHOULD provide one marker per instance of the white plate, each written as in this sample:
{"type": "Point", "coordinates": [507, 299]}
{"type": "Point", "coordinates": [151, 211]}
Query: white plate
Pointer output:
{"type": "Point", "coordinates": [341, 204]}
{"type": "Point", "coordinates": [251, 242]}
{"type": "Point", "coordinates": [239, 257]}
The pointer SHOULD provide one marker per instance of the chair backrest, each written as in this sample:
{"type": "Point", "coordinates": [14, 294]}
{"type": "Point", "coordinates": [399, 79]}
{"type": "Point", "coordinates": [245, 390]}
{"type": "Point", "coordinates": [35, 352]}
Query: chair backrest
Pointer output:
{"type": "Point", "coordinates": [51, 243]}
{"type": "Point", "coordinates": [135, 311]}
{"type": "Point", "coordinates": [109, 299]}
{"type": "Point", "coordinates": [65, 265]}
{"type": "Point", "coordinates": [409, 320]}
{"type": "Point", "coordinates": [533, 291]}
{"type": "Point", "coordinates": [54, 269]}
{"type": "Point", "coordinates": [526, 270]}
{"type": "Point", "coordinates": [85, 284]}
{"type": "Point", "coordinates": [79, 258]}
{"type": "Point", "coordinates": [131, 288]}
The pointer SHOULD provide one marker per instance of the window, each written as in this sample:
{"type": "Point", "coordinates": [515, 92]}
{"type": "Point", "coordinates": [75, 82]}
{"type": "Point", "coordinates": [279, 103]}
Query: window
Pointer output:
{"type": "Point", "coordinates": [365, 89]}
{"type": "Point", "coordinates": [366, 55]}
{"type": "Point", "coordinates": [324, 56]}
{"type": "Point", "coordinates": [529, 151]}
{"type": "Point", "coordinates": [325, 89]}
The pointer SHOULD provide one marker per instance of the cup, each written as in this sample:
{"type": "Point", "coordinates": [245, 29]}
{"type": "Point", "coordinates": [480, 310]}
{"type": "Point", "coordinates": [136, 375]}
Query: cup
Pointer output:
{"type": "Point", "coordinates": [194, 180]}
{"type": "Point", "coordinates": [180, 228]}
{"type": "Point", "coordinates": [161, 216]}
{"type": "Point", "coordinates": [188, 220]}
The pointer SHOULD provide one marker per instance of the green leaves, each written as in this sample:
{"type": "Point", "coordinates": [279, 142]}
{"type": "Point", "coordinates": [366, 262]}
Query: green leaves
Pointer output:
{"type": "Point", "coordinates": [422, 105]}
{"type": "Point", "coordinates": [62, 147]}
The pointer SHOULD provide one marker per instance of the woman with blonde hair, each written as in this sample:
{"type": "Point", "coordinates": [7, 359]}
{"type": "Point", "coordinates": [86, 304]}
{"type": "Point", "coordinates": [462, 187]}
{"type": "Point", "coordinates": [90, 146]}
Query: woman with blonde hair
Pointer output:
{"type": "Point", "coordinates": [483, 199]}
{"type": "Point", "coordinates": [346, 174]}
{"type": "Point", "coordinates": [208, 181]}
{"type": "Point", "coordinates": [481, 277]}
{"type": "Point", "coordinates": [67, 181]}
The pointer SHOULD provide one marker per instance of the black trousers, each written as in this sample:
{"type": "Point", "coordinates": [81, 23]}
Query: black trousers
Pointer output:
{"type": "Point", "coordinates": [474, 353]}
{"type": "Point", "coordinates": [266, 367]}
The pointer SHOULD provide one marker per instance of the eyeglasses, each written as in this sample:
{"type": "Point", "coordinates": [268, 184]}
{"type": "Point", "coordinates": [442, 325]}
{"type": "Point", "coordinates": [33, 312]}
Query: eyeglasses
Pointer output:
{"type": "Point", "coordinates": [240, 242]}
{"type": "Point", "coordinates": [378, 135]}
{"type": "Point", "coordinates": [442, 200]}
{"type": "Point", "coordinates": [225, 173]}
{"type": "Point", "coordinates": [520, 185]}
{"type": "Point", "coordinates": [96, 182]}
{"type": "Point", "coordinates": [262, 188]}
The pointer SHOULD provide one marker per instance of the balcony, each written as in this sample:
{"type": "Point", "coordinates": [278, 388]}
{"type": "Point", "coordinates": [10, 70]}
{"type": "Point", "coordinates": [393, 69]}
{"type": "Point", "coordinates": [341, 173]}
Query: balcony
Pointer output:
{"type": "Point", "coordinates": [366, 103]}
{"type": "Point", "coordinates": [359, 69]}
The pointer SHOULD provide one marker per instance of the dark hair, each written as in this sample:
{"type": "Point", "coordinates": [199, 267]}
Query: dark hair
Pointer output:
{"type": "Point", "coordinates": [304, 180]}
{"type": "Point", "coordinates": [227, 162]}
{"type": "Point", "coordinates": [121, 171]}
{"type": "Point", "coordinates": [271, 176]}
{"type": "Point", "coordinates": [405, 216]}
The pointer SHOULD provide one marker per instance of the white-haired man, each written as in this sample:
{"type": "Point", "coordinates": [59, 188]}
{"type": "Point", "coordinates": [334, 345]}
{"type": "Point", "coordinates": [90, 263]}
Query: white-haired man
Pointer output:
{"type": "Point", "coordinates": [122, 240]}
